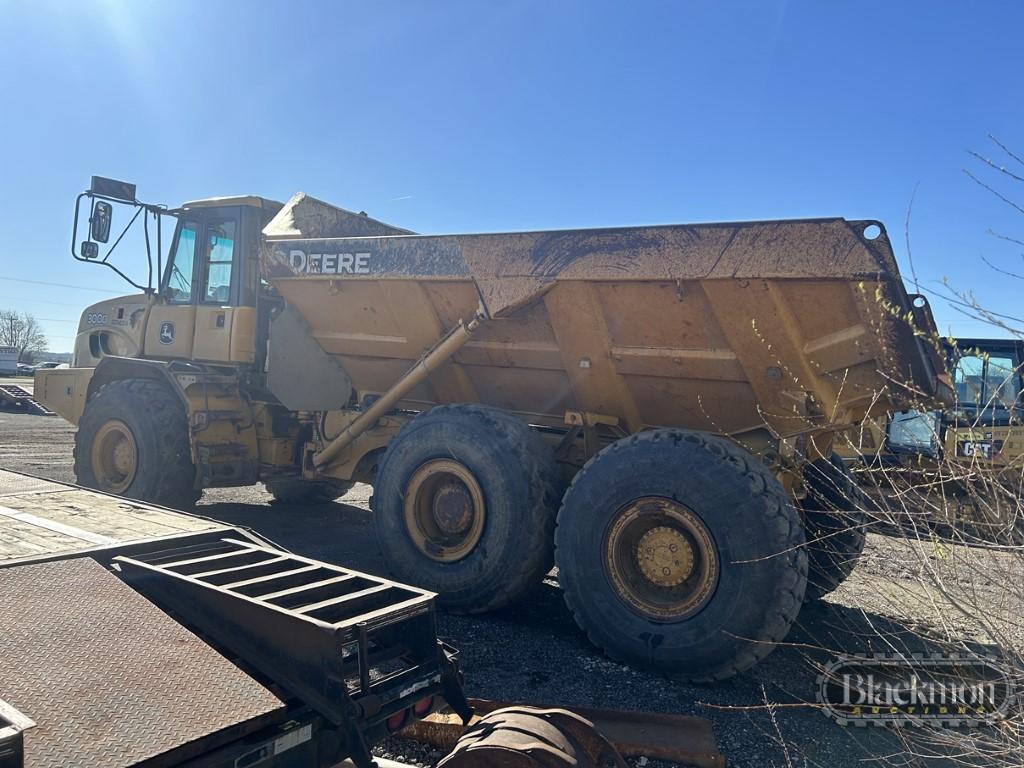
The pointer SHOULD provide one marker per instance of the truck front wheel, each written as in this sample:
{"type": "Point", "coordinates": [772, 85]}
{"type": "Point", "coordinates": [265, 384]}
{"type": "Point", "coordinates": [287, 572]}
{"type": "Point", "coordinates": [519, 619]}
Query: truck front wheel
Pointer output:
{"type": "Point", "coordinates": [463, 505]}
{"type": "Point", "coordinates": [680, 552]}
{"type": "Point", "coordinates": [133, 441]}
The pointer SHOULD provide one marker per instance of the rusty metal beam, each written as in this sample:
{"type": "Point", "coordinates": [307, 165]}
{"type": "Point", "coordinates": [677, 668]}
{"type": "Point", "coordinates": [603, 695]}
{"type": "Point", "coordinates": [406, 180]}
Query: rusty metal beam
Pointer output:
{"type": "Point", "coordinates": [681, 738]}
{"type": "Point", "coordinates": [531, 737]}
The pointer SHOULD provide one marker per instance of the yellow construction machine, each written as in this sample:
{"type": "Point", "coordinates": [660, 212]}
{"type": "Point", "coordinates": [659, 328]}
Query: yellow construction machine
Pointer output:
{"type": "Point", "coordinates": [650, 408]}
{"type": "Point", "coordinates": [963, 464]}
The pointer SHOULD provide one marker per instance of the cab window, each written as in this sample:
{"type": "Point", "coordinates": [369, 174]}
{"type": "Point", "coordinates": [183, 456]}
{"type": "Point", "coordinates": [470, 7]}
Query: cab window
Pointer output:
{"type": "Point", "coordinates": [1000, 382]}
{"type": "Point", "coordinates": [986, 381]}
{"type": "Point", "coordinates": [969, 379]}
{"type": "Point", "coordinates": [220, 244]}
{"type": "Point", "coordinates": [180, 266]}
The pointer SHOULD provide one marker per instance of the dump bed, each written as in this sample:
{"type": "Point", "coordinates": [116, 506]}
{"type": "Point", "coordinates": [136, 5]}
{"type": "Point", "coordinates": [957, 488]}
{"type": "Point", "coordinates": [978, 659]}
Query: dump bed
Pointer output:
{"type": "Point", "coordinates": [726, 328]}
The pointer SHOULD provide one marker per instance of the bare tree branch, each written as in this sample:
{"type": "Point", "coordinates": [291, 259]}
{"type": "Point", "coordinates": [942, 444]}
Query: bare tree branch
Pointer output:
{"type": "Point", "coordinates": [1001, 271]}
{"type": "Point", "coordinates": [1005, 237]}
{"type": "Point", "coordinates": [1002, 197]}
{"type": "Point", "coordinates": [22, 331]}
{"type": "Point", "coordinates": [1000, 168]}
{"type": "Point", "coordinates": [1005, 149]}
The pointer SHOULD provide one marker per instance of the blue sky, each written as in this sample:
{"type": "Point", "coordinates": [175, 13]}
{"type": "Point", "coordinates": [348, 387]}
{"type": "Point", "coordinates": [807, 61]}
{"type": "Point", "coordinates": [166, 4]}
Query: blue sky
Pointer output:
{"type": "Point", "coordinates": [475, 116]}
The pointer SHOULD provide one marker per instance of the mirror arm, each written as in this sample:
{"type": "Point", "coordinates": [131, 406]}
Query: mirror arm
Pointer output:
{"type": "Point", "coordinates": [127, 279]}
{"type": "Point", "coordinates": [74, 228]}
{"type": "Point", "coordinates": [149, 252]}
{"type": "Point", "coordinates": [156, 210]}
{"type": "Point", "coordinates": [121, 236]}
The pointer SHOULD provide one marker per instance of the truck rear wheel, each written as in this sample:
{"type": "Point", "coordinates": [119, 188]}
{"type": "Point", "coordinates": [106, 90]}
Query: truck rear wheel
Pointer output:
{"type": "Point", "coordinates": [835, 520]}
{"type": "Point", "coordinates": [680, 552]}
{"type": "Point", "coordinates": [295, 490]}
{"type": "Point", "coordinates": [133, 441]}
{"type": "Point", "coordinates": [464, 505]}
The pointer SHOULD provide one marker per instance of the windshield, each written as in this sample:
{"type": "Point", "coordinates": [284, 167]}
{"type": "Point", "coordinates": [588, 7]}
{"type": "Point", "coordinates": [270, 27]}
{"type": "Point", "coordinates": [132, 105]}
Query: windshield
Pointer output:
{"type": "Point", "coordinates": [181, 264]}
{"type": "Point", "coordinates": [985, 381]}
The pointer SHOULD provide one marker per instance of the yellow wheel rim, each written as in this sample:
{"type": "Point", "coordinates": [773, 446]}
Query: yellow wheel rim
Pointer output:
{"type": "Point", "coordinates": [660, 559]}
{"type": "Point", "coordinates": [114, 457]}
{"type": "Point", "coordinates": [444, 510]}
{"type": "Point", "coordinates": [665, 556]}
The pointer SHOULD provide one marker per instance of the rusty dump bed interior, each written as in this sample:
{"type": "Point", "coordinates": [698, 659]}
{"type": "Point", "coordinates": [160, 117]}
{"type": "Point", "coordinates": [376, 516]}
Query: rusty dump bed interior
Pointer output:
{"type": "Point", "coordinates": [719, 327]}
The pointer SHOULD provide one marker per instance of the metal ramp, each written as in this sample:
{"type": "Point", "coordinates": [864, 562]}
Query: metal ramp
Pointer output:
{"type": "Point", "coordinates": [359, 649]}
{"type": "Point", "coordinates": [12, 395]}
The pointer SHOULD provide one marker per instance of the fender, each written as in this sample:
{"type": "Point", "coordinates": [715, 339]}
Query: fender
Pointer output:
{"type": "Point", "coordinates": [112, 368]}
{"type": "Point", "coordinates": [222, 429]}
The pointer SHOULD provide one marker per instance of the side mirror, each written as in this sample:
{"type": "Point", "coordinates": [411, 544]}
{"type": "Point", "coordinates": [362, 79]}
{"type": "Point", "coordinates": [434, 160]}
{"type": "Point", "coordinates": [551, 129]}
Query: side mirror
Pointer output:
{"type": "Point", "coordinates": [99, 222]}
{"type": "Point", "coordinates": [89, 250]}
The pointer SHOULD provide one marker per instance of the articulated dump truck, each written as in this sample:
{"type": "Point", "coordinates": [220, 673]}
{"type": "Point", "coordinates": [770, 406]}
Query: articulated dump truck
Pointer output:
{"type": "Point", "coordinates": [651, 409]}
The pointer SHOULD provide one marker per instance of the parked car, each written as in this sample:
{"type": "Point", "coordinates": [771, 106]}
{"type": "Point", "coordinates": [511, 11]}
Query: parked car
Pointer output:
{"type": "Point", "coordinates": [24, 369]}
{"type": "Point", "coordinates": [46, 366]}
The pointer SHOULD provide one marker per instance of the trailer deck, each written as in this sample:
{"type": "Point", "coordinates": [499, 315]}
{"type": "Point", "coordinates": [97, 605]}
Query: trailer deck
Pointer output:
{"type": "Point", "coordinates": [39, 518]}
{"type": "Point", "coordinates": [134, 635]}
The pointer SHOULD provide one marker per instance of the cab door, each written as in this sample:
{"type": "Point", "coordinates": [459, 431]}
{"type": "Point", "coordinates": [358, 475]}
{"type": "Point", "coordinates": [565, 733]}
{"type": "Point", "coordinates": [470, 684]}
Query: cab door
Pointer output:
{"type": "Point", "coordinates": [170, 328]}
{"type": "Point", "coordinates": [207, 314]}
{"type": "Point", "coordinates": [224, 330]}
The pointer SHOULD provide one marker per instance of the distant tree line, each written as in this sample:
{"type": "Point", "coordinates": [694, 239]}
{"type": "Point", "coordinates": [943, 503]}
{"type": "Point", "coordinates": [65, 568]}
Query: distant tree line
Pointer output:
{"type": "Point", "coordinates": [22, 331]}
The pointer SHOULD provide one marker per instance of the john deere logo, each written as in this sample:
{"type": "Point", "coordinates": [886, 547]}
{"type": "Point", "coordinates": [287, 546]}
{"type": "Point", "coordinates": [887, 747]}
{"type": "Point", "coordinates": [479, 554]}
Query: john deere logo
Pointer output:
{"type": "Point", "coordinates": [166, 333]}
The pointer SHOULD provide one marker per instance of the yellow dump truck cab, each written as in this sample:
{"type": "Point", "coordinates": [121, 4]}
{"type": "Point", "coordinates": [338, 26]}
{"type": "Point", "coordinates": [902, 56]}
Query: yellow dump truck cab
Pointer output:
{"type": "Point", "coordinates": [193, 338]}
{"type": "Point", "coordinates": [210, 289]}
{"type": "Point", "coordinates": [204, 308]}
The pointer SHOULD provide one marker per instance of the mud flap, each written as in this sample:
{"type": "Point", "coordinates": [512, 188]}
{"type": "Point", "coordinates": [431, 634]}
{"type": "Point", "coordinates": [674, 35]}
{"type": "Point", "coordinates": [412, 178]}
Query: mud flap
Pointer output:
{"type": "Point", "coordinates": [323, 384]}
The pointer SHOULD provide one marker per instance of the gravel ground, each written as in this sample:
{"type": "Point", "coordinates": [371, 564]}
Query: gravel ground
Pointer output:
{"type": "Point", "coordinates": [535, 652]}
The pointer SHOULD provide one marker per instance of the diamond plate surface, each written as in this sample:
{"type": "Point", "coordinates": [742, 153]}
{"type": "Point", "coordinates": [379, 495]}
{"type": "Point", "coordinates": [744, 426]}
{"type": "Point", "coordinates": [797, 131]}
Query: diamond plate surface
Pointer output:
{"type": "Point", "coordinates": [109, 679]}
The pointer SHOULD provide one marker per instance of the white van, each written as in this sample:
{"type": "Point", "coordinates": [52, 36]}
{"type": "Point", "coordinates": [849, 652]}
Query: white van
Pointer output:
{"type": "Point", "coordinates": [8, 361]}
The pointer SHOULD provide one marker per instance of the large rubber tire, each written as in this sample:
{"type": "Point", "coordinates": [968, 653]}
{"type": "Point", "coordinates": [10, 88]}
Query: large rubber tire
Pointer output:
{"type": "Point", "coordinates": [835, 523]}
{"type": "Point", "coordinates": [515, 471]}
{"type": "Point", "coordinates": [156, 419]}
{"type": "Point", "coordinates": [298, 491]}
{"type": "Point", "coordinates": [756, 534]}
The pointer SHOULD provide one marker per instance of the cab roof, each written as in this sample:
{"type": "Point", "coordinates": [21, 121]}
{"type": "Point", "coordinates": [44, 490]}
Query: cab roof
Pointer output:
{"type": "Point", "coordinates": [253, 201]}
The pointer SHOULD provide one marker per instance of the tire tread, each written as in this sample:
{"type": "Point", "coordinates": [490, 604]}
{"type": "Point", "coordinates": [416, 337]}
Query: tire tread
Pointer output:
{"type": "Point", "coordinates": [175, 483]}
{"type": "Point", "coordinates": [530, 451]}
{"type": "Point", "coordinates": [779, 616]}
